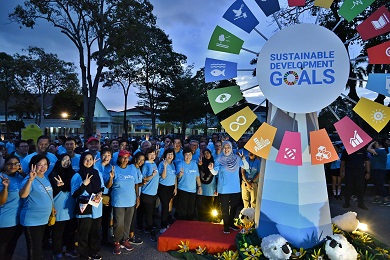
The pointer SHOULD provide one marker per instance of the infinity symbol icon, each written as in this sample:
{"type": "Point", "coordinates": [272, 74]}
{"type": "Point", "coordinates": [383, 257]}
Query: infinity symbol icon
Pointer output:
{"type": "Point", "coordinates": [237, 123]}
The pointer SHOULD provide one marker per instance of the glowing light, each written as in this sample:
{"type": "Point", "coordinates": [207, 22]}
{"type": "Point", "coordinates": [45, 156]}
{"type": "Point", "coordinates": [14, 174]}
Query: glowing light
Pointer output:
{"type": "Point", "coordinates": [363, 227]}
{"type": "Point", "coordinates": [214, 213]}
{"type": "Point", "coordinates": [64, 115]}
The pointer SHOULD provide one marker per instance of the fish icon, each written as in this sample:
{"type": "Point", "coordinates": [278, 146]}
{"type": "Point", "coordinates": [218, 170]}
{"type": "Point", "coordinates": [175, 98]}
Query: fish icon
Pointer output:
{"type": "Point", "coordinates": [217, 72]}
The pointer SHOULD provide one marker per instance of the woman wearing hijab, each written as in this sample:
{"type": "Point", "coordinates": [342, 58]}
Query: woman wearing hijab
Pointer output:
{"type": "Point", "coordinates": [10, 206]}
{"type": "Point", "coordinates": [87, 186]}
{"type": "Point", "coordinates": [37, 195]}
{"type": "Point", "coordinates": [209, 187]}
{"type": "Point", "coordinates": [66, 225]}
{"type": "Point", "coordinates": [227, 167]}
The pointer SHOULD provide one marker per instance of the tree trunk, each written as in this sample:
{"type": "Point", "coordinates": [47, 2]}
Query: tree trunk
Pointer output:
{"type": "Point", "coordinates": [153, 115]}
{"type": "Point", "coordinates": [126, 135]}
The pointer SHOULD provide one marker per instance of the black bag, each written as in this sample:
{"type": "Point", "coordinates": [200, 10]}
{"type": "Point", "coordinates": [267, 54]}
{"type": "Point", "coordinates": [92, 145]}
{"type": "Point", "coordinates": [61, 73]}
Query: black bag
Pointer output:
{"type": "Point", "coordinates": [82, 206]}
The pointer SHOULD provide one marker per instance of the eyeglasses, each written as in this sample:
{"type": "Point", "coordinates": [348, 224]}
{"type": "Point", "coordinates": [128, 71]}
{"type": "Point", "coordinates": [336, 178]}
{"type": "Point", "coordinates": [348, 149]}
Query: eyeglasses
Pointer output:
{"type": "Point", "coordinates": [13, 164]}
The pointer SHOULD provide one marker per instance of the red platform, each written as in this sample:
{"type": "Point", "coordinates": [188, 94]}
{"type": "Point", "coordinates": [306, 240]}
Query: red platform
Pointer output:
{"type": "Point", "coordinates": [204, 234]}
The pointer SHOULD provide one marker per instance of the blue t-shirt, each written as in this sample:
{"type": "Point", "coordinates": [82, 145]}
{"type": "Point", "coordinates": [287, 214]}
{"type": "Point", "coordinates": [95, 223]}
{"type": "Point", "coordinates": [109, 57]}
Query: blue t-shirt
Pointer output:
{"type": "Point", "coordinates": [378, 161]}
{"type": "Point", "coordinates": [254, 168]}
{"type": "Point", "coordinates": [65, 205]}
{"type": "Point", "coordinates": [10, 147]}
{"type": "Point", "coordinates": [210, 189]}
{"type": "Point", "coordinates": [105, 172]}
{"type": "Point", "coordinates": [76, 182]}
{"type": "Point", "coordinates": [188, 181]}
{"type": "Point", "coordinates": [151, 186]}
{"type": "Point", "coordinates": [52, 159]}
{"type": "Point", "coordinates": [10, 210]}
{"type": "Point", "coordinates": [123, 188]}
{"type": "Point", "coordinates": [179, 157]}
{"type": "Point", "coordinates": [136, 172]}
{"type": "Point", "coordinates": [76, 162]}
{"type": "Point", "coordinates": [228, 182]}
{"type": "Point", "coordinates": [336, 164]}
{"type": "Point", "coordinates": [37, 205]}
{"type": "Point", "coordinates": [61, 150]}
{"type": "Point", "coordinates": [170, 174]}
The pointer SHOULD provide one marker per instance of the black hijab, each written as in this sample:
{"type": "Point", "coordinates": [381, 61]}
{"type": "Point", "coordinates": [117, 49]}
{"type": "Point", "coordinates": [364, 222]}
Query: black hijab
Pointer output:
{"type": "Point", "coordinates": [207, 178]}
{"type": "Point", "coordinates": [95, 185]}
{"type": "Point", "coordinates": [66, 175]}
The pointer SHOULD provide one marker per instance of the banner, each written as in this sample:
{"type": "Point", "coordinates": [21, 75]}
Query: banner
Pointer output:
{"type": "Point", "coordinates": [290, 151]}
{"type": "Point", "coordinates": [351, 8]}
{"type": "Point", "coordinates": [375, 114]}
{"type": "Point", "coordinates": [269, 6]}
{"type": "Point", "coordinates": [238, 123]}
{"type": "Point", "coordinates": [216, 70]}
{"type": "Point", "coordinates": [240, 15]}
{"type": "Point", "coordinates": [261, 142]}
{"type": "Point", "coordinates": [353, 137]}
{"type": "Point", "coordinates": [224, 41]}
{"type": "Point", "coordinates": [323, 3]}
{"type": "Point", "coordinates": [296, 3]}
{"type": "Point", "coordinates": [321, 148]}
{"type": "Point", "coordinates": [376, 24]}
{"type": "Point", "coordinates": [222, 98]}
{"type": "Point", "coordinates": [379, 54]}
{"type": "Point", "coordinates": [379, 82]}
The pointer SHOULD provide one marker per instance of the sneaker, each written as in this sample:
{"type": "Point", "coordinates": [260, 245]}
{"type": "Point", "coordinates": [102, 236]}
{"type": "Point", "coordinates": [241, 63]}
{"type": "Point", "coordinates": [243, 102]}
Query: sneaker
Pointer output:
{"type": "Point", "coordinates": [385, 203]}
{"type": "Point", "coordinates": [376, 201]}
{"type": "Point", "coordinates": [234, 228]}
{"type": "Point", "coordinates": [57, 257]}
{"type": "Point", "coordinates": [126, 245]}
{"type": "Point", "coordinates": [95, 257]}
{"type": "Point", "coordinates": [72, 254]}
{"type": "Point", "coordinates": [153, 236]}
{"type": "Point", "coordinates": [117, 249]}
{"type": "Point", "coordinates": [163, 230]}
{"type": "Point", "coordinates": [354, 198]}
{"type": "Point", "coordinates": [136, 240]}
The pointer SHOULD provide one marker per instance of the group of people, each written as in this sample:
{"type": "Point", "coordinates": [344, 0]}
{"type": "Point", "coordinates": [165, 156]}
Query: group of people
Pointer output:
{"type": "Point", "coordinates": [118, 184]}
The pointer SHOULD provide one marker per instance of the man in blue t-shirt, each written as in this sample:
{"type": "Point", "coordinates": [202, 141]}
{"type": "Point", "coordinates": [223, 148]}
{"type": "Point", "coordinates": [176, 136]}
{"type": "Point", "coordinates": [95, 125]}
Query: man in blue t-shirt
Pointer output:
{"type": "Point", "coordinates": [250, 179]}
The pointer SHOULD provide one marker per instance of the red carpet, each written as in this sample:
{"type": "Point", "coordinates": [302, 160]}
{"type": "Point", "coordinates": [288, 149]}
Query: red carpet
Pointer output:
{"type": "Point", "coordinates": [204, 234]}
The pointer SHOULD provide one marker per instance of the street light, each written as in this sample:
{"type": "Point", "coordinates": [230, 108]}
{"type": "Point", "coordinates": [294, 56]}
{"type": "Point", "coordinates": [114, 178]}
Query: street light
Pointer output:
{"type": "Point", "coordinates": [64, 115]}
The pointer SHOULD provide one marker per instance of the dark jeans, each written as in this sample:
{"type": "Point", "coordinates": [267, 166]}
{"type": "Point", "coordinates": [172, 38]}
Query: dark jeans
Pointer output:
{"type": "Point", "coordinates": [185, 205]}
{"type": "Point", "coordinates": [379, 177]}
{"type": "Point", "coordinates": [63, 234]}
{"type": "Point", "coordinates": [89, 236]}
{"type": "Point", "coordinates": [148, 204]}
{"type": "Point", "coordinates": [205, 204]}
{"type": "Point", "coordinates": [8, 240]}
{"type": "Point", "coordinates": [229, 204]}
{"type": "Point", "coordinates": [34, 236]}
{"type": "Point", "coordinates": [165, 193]}
{"type": "Point", "coordinates": [106, 221]}
{"type": "Point", "coordinates": [354, 184]}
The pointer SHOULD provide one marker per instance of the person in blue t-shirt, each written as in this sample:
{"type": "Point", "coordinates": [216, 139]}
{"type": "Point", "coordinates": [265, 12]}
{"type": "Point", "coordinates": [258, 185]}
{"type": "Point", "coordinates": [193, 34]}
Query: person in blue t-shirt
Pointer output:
{"type": "Point", "coordinates": [37, 195]}
{"type": "Point", "coordinates": [87, 186]}
{"type": "Point", "coordinates": [167, 188]}
{"type": "Point", "coordinates": [250, 179]}
{"type": "Point", "coordinates": [149, 191]}
{"type": "Point", "coordinates": [64, 230]}
{"type": "Point", "coordinates": [206, 201]}
{"type": "Point", "coordinates": [124, 199]}
{"type": "Point", "coordinates": [227, 167]}
{"type": "Point", "coordinates": [188, 181]}
{"type": "Point", "coordinates": [10, 206]}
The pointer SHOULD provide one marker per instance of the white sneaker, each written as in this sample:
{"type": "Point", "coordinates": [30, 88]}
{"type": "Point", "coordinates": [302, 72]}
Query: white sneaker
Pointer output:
{"type": "Point", "coordinates": [163, 230]}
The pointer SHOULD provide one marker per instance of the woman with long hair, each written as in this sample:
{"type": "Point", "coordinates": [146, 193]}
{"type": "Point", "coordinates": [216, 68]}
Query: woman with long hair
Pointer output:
{"type": "Point", "coordinates": [87, 187]}
{"type": "Point", "coordinates": [10, 206]}
{"type": "Point", "coordinates": [227, 167]}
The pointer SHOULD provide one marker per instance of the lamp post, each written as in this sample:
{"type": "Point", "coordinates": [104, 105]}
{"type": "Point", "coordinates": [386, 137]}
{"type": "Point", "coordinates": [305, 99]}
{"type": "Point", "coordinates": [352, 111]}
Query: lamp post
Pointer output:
{"type": "Point", "coordinates": [64, 115]}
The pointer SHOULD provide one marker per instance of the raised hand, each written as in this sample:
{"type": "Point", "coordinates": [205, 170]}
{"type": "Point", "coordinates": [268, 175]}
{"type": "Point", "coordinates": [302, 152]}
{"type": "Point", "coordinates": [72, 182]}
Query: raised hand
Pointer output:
{"type": "Point", "coordinates": [87, 180]}
{"type": "Point", "coordinates": [33, 172]}
{"type": "Point", "coordinates": [200, 162]}
{"type": "Point", "coordinates": [4, 181]}
{"type": "Point", "coordinates": [241, 154]}
{"type": "Point", "coordinates": [59, 181]}
{"type": "Point", "coordinates": [95, 160]}
{"type": "Point", "coordinates": [112, 172]}
{"type": "Point", "coordinates": [181, 173]}
{"type": "Point", "coordinates": [211, 166]}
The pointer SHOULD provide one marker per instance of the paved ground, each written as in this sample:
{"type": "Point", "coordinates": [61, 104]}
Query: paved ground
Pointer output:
{"type": "Point", "coordinates": [376, 217]}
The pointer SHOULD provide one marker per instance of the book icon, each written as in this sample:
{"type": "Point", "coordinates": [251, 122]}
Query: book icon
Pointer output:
{"type": "Point", "coordinates": [381, 22]}
{"type": "Point", "coordinates": [355, 140]}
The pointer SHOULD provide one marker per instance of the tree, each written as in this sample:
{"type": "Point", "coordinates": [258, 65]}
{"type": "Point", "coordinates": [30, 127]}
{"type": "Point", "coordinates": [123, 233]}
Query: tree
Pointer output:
{"type": "Point", "coordinates": [67, 101]}
{"type": "Point", "coordinates": [47, 74]}
{"type": "Point", "coordinates": [88, 24]}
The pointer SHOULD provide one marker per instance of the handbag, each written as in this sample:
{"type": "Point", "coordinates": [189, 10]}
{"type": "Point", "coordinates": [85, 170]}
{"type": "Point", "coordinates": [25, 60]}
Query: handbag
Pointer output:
{"type": "Point", "coordinates": [52, 217]}
{"type": "Point", "coordinates": [82, 206]}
